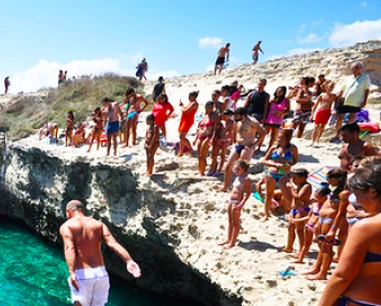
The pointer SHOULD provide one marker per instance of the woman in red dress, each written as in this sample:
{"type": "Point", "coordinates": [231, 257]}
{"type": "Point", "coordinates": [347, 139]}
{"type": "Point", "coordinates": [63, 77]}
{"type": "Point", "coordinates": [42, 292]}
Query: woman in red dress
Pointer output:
{"type": "Point", "coordinates": [187, 120]}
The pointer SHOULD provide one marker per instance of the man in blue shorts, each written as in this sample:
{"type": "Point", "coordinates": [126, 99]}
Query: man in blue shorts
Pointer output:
{"type": "Point", "coordinates": [111, 110]}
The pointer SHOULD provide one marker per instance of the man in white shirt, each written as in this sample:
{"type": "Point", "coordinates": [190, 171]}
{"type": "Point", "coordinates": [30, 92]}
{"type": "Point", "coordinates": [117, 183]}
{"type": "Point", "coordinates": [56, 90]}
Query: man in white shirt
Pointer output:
{"type": "Point", "coordinates": [354, 95]}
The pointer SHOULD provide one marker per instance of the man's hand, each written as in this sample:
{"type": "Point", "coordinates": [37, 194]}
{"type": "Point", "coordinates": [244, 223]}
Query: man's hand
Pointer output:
{"type": "Point", "coordinates": [134, 269]}
{"type": "Point", "coordinates": [73, 281]}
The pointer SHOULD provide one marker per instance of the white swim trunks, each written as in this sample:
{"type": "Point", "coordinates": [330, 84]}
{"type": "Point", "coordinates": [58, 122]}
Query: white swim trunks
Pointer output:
{"type": "Point", "coordinates": [94, 285]}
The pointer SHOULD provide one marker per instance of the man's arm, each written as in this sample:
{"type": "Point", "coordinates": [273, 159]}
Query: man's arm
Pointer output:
{"type": "Point", "coordinates": [370, 150]}
{"type": "Point", "coordinates": [260, 131]}
{"type": "Point", "coordinates": [69, 251]}
{"type": "Point", "coordinates": [247, 100]}
{"type": "Point", "coordinates": [132, 266]}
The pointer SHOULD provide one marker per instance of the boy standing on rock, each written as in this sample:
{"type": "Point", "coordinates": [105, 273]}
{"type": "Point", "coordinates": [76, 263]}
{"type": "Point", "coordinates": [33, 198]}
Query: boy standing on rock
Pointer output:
{"type": "Point", "coordinates": [151, 143]}
{"type": "Point", "coordinates": [82, 236]}
{"type": "Point", "coordinates": [111, 110]}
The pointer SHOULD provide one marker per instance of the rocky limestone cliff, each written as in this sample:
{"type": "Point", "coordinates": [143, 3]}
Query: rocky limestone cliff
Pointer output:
{"type": "Point", "coordinates": [334, 63]}
{"type": "Point", "coordinates": [35, 187]}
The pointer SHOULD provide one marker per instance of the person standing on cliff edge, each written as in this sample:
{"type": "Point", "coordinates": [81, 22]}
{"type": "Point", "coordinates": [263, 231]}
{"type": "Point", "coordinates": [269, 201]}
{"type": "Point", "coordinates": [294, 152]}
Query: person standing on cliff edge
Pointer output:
{"type": "Point", "coordinates": [256, 50]}
{"type": "Point", "coordinates": [7, 83]}
{"type": "Point", "coordinates": [224, 51]}
{"type": "Point", "coordinates": [82, 236]}
{"type": "Point", "coordinates": [111, 110]}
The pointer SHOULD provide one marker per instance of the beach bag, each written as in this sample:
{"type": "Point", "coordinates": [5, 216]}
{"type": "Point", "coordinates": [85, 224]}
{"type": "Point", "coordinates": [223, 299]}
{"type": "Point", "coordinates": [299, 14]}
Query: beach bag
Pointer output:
{"type": "Point", "coordinates": [362, 116]}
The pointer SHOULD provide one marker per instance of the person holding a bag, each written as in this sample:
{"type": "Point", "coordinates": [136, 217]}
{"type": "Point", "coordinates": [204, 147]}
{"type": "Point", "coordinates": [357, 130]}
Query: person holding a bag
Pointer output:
{"type": "Point", "coordinates": [353, 95]}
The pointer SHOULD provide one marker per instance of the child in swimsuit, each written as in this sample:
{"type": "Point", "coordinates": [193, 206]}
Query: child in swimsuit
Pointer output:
{"type": "Point", "coordinates": [301, 193]}
{"type": "Point", "coordinates": [97, 128]}
{"type": "Point", "coordinates": [69, 128]}
{"type": "Point", "coordinates": [319, 197]}
{"type": "Point", "coordinates": [337, 180]}
{"type": "Point", "coordinates": [223, 140]}
{"type": "Point", "coordinates": [240, 194]}
{"type": "Point", "coordinates": [151, 142]}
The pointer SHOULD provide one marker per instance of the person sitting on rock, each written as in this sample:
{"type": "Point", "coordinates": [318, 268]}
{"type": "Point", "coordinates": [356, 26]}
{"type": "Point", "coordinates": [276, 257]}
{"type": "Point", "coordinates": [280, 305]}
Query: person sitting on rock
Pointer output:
{"type": "Point", "coordinates": [239, 195]}
{"type": "Point", "coordinates": [69, 128]}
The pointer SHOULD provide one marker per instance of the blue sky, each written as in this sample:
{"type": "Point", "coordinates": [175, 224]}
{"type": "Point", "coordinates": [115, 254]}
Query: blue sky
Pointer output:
{"type": "Point", "coordinates": [39, 37]}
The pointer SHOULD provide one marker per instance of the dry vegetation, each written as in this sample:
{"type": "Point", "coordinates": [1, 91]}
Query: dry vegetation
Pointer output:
{"type": "Point", "coordinates": [81, 96]}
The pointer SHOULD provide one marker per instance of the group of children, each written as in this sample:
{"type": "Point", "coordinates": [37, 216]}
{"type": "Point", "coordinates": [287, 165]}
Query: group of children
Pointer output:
{"type": "Point", "coordinates": [312, 217]}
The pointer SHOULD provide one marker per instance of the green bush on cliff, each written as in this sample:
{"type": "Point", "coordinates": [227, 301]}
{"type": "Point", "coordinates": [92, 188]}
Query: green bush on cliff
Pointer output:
{"type": "Point", "coordinates": [81, 96]}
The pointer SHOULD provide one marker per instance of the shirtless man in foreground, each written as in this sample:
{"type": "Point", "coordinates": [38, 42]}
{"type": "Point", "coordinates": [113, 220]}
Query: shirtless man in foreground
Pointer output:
{"type": "Point", "coordinates": [244, 136]}
{"type": "Point", "coordinates": [353, 146]}
{"type": "Point", "coordinates": [221, 58]}
{"type": "Point", "coordinates": [257, 48]}
{"type": "Point", "coordinates": [82, 237]}
{"type": "Point", "coordinates": [111, 110]}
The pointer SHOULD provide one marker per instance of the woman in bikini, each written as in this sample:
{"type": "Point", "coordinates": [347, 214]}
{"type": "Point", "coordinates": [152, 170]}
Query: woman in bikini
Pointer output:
{"type": "Point", "coordinates": [239, 195]}
{"type": "Point", "coordinates": [223, 139]}
{"type": "Point", "coordinates": [337, 180]}
{"type": "Point", "coordinates": [275, 110]}
{"type": "Point", "coordinates": [300, 191]}
{"type": "Point", "coordinates": [69, 128]}
{"type": "Point", "coordinates": [133, 109]}
{"type": "Point", "coordinates": [357, 278]}
{"type": "Point", "coordinates": [187, 121]}
{"type": "Point", "coordinates": [96, 133]}
{"type": "Point", "coordinates": [205, 136]}
{"type": "Point", "coordinates": [319, 198]}
{"type": "Point", "coordinates": [279, 159]}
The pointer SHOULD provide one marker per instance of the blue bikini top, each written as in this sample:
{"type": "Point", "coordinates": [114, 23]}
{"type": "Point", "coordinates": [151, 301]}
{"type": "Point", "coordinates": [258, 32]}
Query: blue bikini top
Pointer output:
{"type": "Point", "coordinates": [275, 155]}
{"type": "Point", "coordinates": [372, 257]}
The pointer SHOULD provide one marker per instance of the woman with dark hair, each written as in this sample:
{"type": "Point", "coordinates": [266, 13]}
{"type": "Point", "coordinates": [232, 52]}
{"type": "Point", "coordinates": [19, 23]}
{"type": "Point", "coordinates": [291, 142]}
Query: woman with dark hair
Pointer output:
{"type": "Point", "coordinates": [162, 109]}
{"type": "Point", "coordinates": [96, 132]}
{"type": "Point", "coordinates": [279, 159]}
{"type": "Point", "coordinates": [357, 278]}
{"type": "Point", "coordinates": [187, 121]}
{"type": "Point", "coordinates": [205, 136]}
{"type": "Point", "coordinates": [225, 94]}
{"type": "Point", "coordinates": [278, 107]}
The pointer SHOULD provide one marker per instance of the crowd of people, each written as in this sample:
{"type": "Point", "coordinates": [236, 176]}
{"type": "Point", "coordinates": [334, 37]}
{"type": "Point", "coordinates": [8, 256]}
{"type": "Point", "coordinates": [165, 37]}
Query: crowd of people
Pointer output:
{"type": "Point", "coordinates": [330, 215]}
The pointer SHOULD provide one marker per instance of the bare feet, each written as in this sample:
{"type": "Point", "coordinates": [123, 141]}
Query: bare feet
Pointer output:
{"type": "Point", "coordinates": [287, 250]}
{"type": "Point", "coordinates": [223, 243]}
{"type": "Point", "coordinates": [223, 189]}
{"type": "Point", "coordinates": [298, 261]}
{"type": "Point", "coordinates": [228, 246]}
{"type": "Point", "coordinates": [264, 219]}
{"type": "Point", "coordinates": [311, 271]}
{"type": "Point", "coordinates": [318, 276]}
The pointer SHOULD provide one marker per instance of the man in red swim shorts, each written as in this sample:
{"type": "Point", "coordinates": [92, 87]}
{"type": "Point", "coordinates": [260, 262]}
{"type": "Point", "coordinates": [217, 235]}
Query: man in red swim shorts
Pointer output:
{"type": "Point", "coordinates": [322, 111]}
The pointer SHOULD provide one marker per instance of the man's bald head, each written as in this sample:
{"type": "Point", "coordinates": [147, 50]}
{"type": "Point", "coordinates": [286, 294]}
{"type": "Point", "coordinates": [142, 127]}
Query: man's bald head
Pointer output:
{"type": "Point", "coordinates": [74, 205]}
